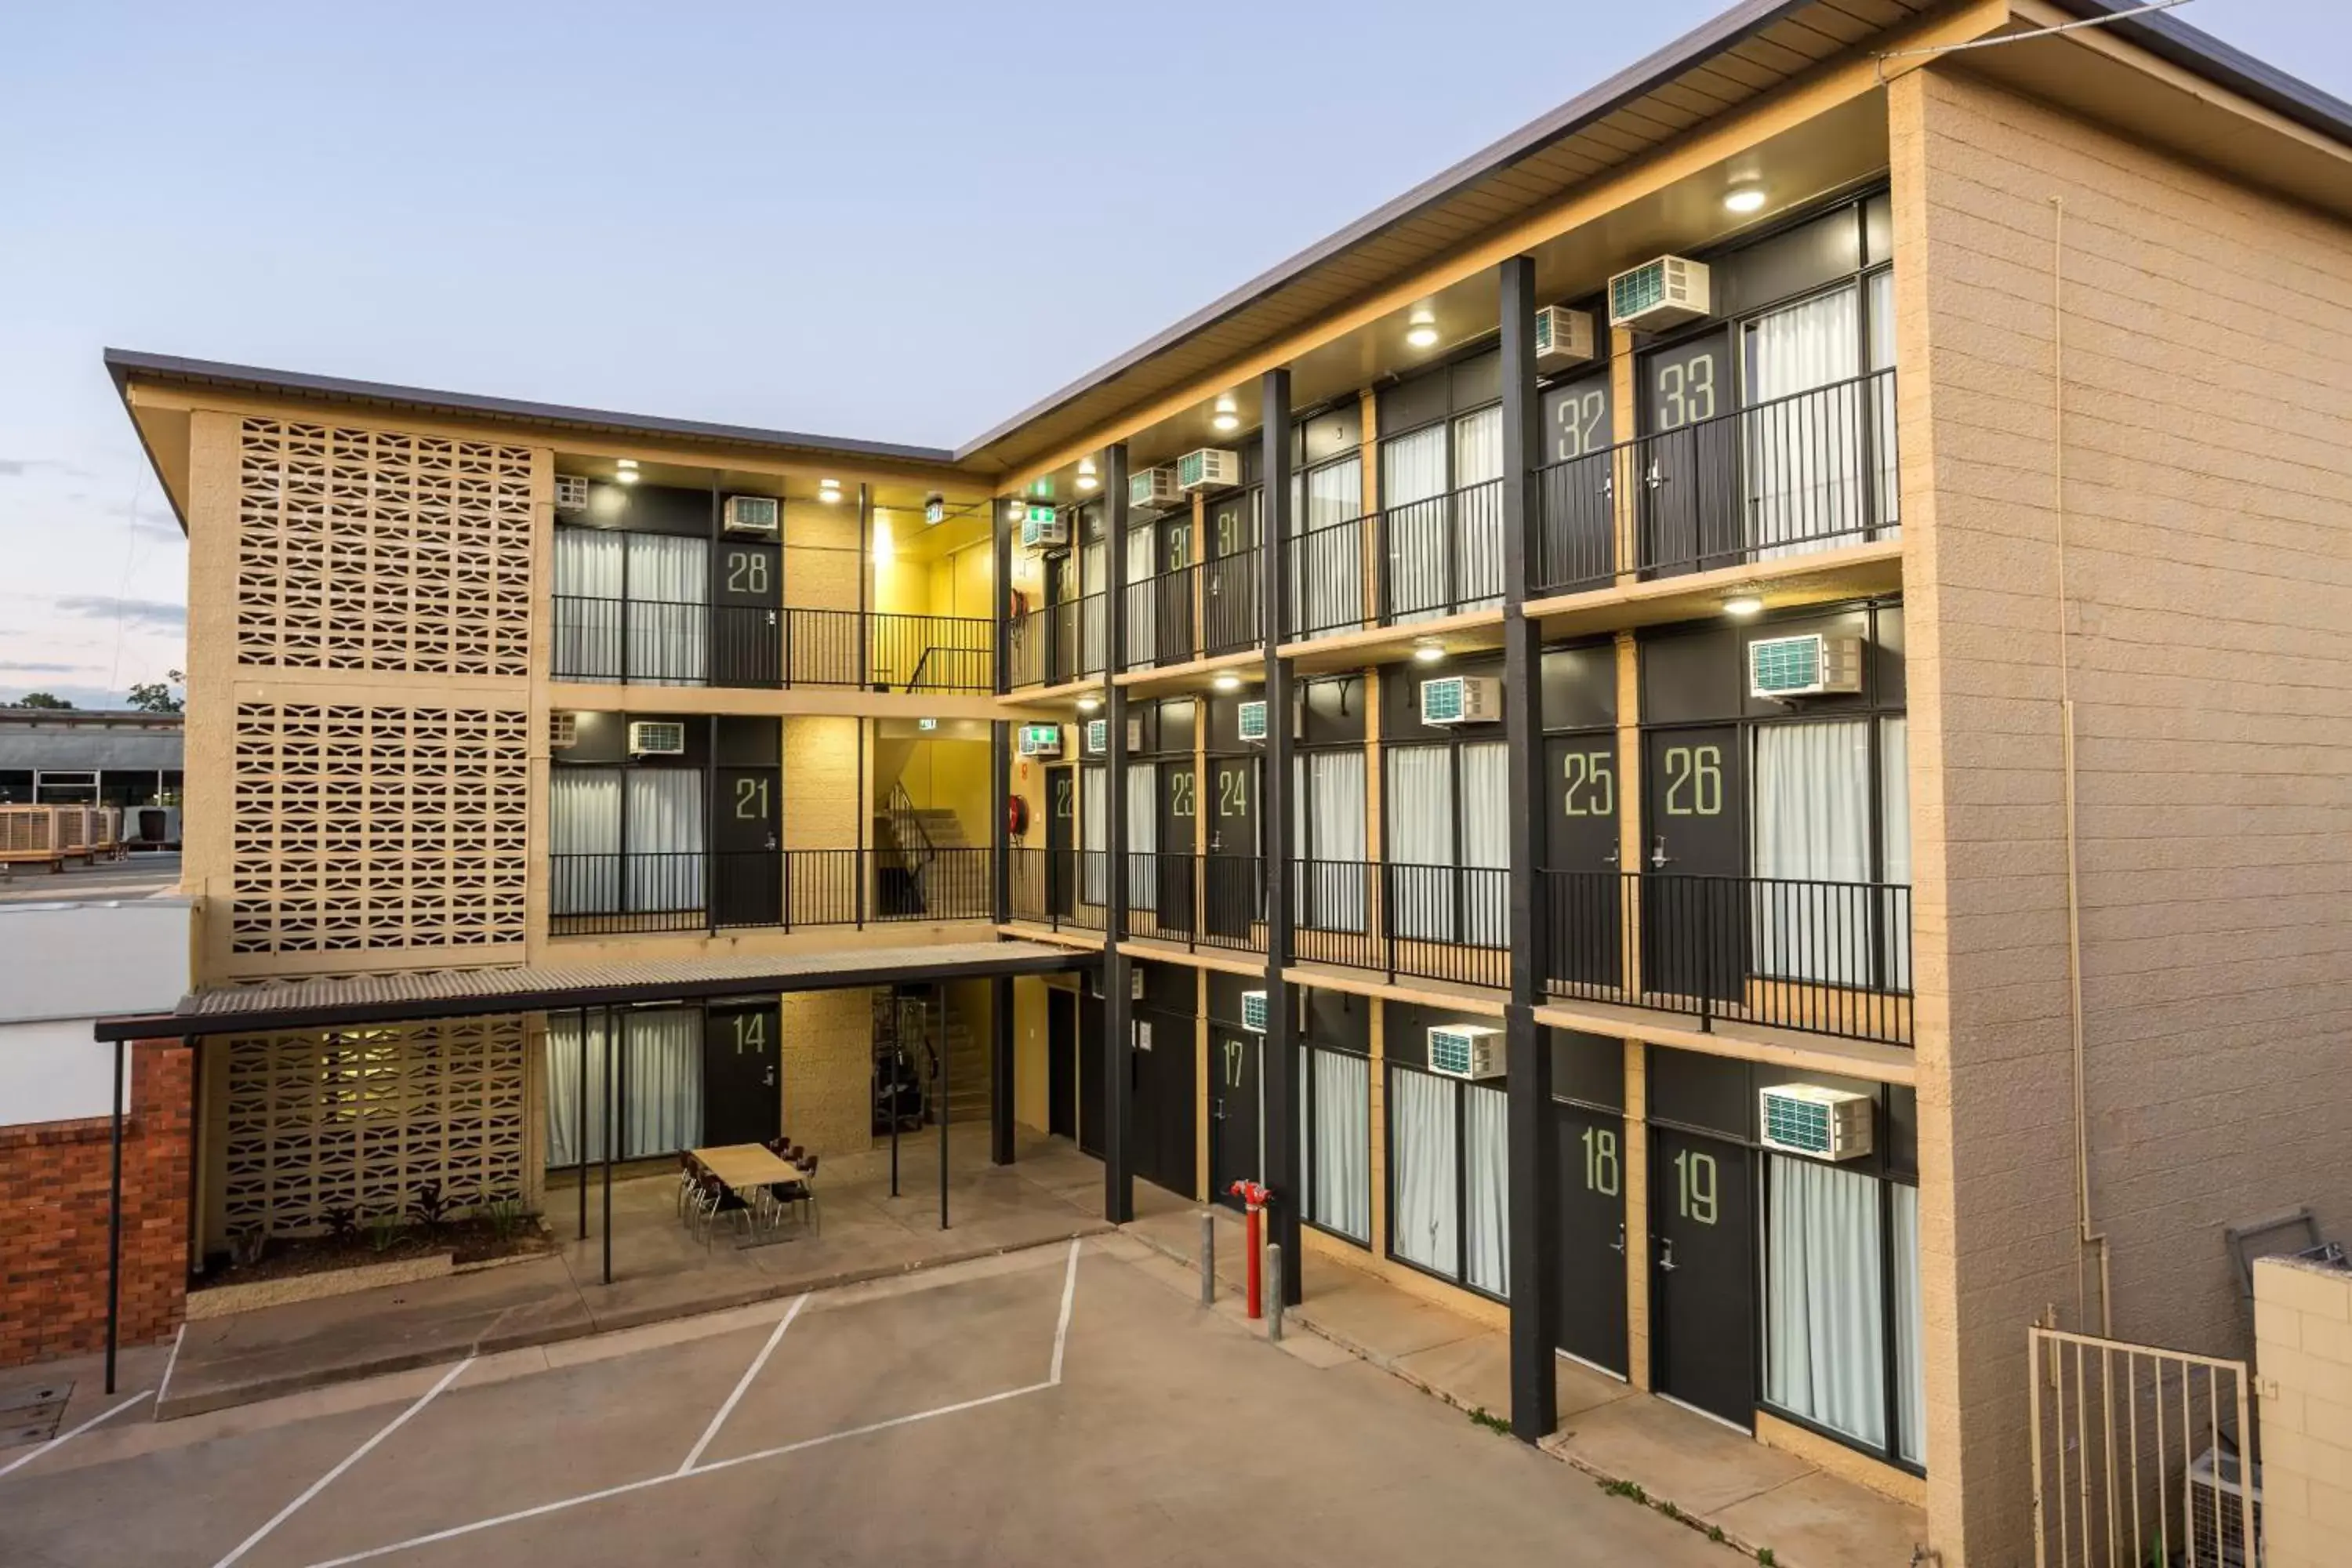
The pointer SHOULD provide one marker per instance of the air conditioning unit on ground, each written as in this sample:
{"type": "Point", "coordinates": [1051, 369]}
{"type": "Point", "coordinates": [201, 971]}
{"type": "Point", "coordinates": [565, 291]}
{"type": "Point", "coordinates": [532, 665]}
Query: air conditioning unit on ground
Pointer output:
{"type": "Point", "coordinates": [657, 738]}
{"type": "Point", "coordinates": [1812, 664]}
{"type": "Point", "coordinates": [1658, 294]}
{"type": "Point", "coordinates": [1820, 1123]}
{"type": "Point", "coordinates": [1210, 469]}
{"type": "Point", "coordinates": [1563, 337]}
{"type": "Point", "coordinates": [2217, 1506]}
{"type": "Point", "coordinates": [1254, 1012]}
{"type": "Point", "coordinates": [1462, 699]}
{"type": "Point", "coordinates": [1041, 740]}
{"type": "Point", "coordinates": [1466, 1050]}
{"type": "Point", "coordinates": [563, 731]}
{"type": "Point", "coordinates": [1154, 488]}
{"type": "Point", "coordinates": [1097, 737]}
{"type": "Point", "coordinates": [759, 515]}
{"type": "Point", "coordinates": [1044, 527]}
{"type": "Point", "coordinates": [570, 492]}
{"type": "Point", "coordinates": [1250, 723]}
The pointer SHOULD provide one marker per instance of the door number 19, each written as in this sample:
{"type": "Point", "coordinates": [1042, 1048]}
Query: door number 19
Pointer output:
{"type": "Point", "coordinates": [1696, 1175]}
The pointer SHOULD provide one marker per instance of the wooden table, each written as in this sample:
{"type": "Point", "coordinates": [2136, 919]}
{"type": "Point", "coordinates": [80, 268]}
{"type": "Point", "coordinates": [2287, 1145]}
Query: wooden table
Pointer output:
{"type": "Point", "coordinates": [742, 1166]}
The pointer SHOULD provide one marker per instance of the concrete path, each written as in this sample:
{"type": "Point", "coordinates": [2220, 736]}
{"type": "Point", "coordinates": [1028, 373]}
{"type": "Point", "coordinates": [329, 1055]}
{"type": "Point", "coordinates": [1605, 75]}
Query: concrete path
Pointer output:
{"type": "Point", "coordinates": [659, 1270]}
{"type": "Point", "coordinates": [1068, 1403]}
{"type": "Point", "coordinates": [1685, 1465]}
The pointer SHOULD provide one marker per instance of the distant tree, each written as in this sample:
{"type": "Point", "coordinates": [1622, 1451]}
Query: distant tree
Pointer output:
{"type": "Point", "coordinates": [155, 696]}
{"type": "Point", "coordinates": [42, 700]}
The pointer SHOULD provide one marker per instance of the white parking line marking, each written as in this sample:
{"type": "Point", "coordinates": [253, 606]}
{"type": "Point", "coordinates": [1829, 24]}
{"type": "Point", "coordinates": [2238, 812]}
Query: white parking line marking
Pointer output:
{"type": "Point", "coordinates": [163, 1387]}
{"type": "Point", "coordinates": [1069, 1296]}
{"type": "Point", "coordinates": [743, 1383]}
{"type": "Point", "coordinates": [1061, 1333]}
{"type": "Point", "coordinates": [353, 1457]}
{"type": "Point", "coordinates": [60, 1441]}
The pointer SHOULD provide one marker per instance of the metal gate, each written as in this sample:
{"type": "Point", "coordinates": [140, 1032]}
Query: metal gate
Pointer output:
{"type": "Point", "coordinates": [2140, 1455]}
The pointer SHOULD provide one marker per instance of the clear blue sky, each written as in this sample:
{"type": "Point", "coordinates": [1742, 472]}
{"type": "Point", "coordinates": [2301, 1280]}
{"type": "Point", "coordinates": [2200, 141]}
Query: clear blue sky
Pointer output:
{"type": "Point", "coordinates": [903, 221]}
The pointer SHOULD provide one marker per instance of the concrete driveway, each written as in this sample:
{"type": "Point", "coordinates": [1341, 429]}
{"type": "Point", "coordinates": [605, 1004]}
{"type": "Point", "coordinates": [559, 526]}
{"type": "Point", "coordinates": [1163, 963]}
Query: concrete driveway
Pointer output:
{"type": "Point", "coordinates": [1067, 1403]}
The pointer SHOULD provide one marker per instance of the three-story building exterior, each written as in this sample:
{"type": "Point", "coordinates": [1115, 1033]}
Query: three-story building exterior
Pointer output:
{"type": "Point", "coordinates": [1718, 737]}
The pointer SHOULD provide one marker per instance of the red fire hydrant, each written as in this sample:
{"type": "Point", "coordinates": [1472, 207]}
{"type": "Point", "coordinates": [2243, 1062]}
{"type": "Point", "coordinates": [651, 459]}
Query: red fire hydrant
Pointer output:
{"type": "Point", "coordinates": [1255, 1198]}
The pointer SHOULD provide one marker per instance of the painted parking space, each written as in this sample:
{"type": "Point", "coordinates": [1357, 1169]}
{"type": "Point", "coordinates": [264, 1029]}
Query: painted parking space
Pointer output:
{"type": "Point", "coordinates": [919, 1421]}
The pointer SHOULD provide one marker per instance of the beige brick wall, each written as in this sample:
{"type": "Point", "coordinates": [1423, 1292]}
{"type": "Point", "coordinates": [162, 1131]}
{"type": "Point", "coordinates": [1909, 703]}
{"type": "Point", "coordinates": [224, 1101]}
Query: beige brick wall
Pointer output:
{"type": "Point", "coordinates": [2210, 567]}
{"type": "Point", "coordinates": [2303, 1333]}
{"type": "Point", "coordinates": [829, 1070]}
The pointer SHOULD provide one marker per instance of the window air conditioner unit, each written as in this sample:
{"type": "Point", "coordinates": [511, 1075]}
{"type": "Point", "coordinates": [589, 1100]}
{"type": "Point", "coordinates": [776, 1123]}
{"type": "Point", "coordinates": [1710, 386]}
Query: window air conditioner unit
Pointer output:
{"type": "Point", "coordinates": [1044, 527]}
{"type": "Point", "coordinates": [1041, 740]}
{"type": "Point", "coordinates": [1254, 1012]}
{"type": "Point", "coordinates": [1563, 337]}
{"type": "Point", "coordinates": [1251, 722]}
{"type": "Point", "coordinates": [757, 515]}
{"type": "Point", "coordinates": [1462, 699]}
{"type": "Point", "coordinates": [1658, 294]}
{"type": "Point", "coordinates": [570, 492]}
{"type": "Point", "coordinates": [563, 731]}
{"type": "Point", "coordinates": [1811, 665]}
{"type": "Point", "coordinates": [1466, 1050]}
{"type": "Point", "coordinates": [657, 738]}
{"type": "Point", "coordinates": [1210, 469]}
{"type": "Point", "coordinates": [1097, 737]}
{"type": "Point", "coordinates": [1153, 488]}
{"type": "Point", "coordinates": [1819, 1124]}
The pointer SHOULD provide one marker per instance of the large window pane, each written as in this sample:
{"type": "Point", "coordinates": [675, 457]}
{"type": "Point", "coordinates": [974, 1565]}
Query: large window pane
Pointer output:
{"type": "Point", "coordinates": [1423, 1227]}
{"type": "Point", "coordinates": [1812, 827]}
{"type": "Point", "coordinates": [1337, 1128]}
{"type": "Point", "coordinates": [1416, 521]}
{"type": "Point", "coordinates": [1910, 1331]}
{"type": "Point", "coordinates": [585, 840]}
{"type": "Point", "coordinates": [1478, 509]}
{"type": "Point", "coordinates": [1894, 822]}
{"type": "Point", "coordinates": [1801, 431]}
{"type": "Point", "coordinates": [1825, 1328]}
{"type": "Point", "coordinates": [1094, 831]}
{"type": "Point", "coordinates": [1327, 820]}
{"type": "Point", "coordinates": [669, 635]}
{"type": "Point", "coordinates": [1142, 836]}
{"type": "Point", "coordinates": [1326, 591]}
{"type": "Point", "coordinates": [588, 602]}
{"type": "Point", "coordinates": [1487, 844]}
{"type": "Point", "coordinates": [662, 821]}
{"type": "Point", "coordinates": [1487, 1188]}
{"type": "Point", "coordinates": [1421, 842]}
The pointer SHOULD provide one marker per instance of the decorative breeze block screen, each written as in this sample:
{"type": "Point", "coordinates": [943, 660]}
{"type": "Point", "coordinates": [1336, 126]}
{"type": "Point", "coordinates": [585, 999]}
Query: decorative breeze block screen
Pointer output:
{"type": "Point", "coordinates": [374, 550]}
{"type": "Point", "coordinates": [367, 828]}
{"type": "Point", "coordinates": [360, 1119]}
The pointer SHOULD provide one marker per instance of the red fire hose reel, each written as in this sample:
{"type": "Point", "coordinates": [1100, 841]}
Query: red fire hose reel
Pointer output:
{"type": "Point", "coordinates": [1255, 1197]}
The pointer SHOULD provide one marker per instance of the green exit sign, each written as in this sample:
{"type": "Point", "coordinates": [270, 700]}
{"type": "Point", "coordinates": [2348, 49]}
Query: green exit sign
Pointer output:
{"type": "Point", "coordinates": [1041, 515]}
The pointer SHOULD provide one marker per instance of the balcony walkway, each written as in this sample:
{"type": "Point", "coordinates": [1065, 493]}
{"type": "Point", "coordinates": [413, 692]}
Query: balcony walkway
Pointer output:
{"type": "Point", "coordinates": [1712, 1477]}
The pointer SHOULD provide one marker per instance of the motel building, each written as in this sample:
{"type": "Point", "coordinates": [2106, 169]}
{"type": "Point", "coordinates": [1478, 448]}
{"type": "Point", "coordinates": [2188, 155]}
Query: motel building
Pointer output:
{"type": "Point", "coordinates": [1718, 738]}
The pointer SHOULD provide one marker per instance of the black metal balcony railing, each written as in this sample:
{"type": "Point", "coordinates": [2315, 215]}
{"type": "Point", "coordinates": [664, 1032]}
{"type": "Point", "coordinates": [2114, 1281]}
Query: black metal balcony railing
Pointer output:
{"type": "Point", "coordinates": [1439, 556]}
{"type": "Point", "coordinates": [1063, 888]}
{"type": "Point", "coordinates": [611, 894]}
{"type": "Point", "coordinates": [1160, 625]}
{"type": "Point", "coordinates": [1231, 603]}
{"type": "Point", "coordinates": [1423, 923]}
{"type": "Point", "coordinates": [1058, 644]}
{"type": "Point", "coordinates": [1200, 900]}
{"type": "Point", "coordinates": [1786, 477]}
{"type": "Point", "coordinates": [644, 642]}
{"type": "Point", "coordinates": [1825, 958]}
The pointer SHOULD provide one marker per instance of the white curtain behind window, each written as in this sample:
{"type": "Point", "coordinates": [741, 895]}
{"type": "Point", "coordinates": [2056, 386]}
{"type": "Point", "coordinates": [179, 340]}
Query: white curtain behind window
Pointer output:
{"type": "Point", "coordinates": [661, 1082]}
{"type": "Point", "coordinates": [1803, 453]}
{"type": "Point", "coordinates": [1895, 822]}
{"type": "Point", "coordinates": [1326, 587]}
{"type": "Point", "coordinates": [1421, 1143]}
{"type": "Point", "coordinates": [1142, 626]}
{"type": "Point", "coordinates": [563, 1073]}
{"type": "Point", "coordinates": [1142, 836]}
{"type": "Point", "coordinates": [1882, 405]}
{"type": "Point", "coordinates": [588, 602]}
{"type": "Point", "coordinates": [1812, 824]}
{"type": "Point", "coordinates": [583, 839]}
{"type": "Point", "coordinates": [1328, 828]}
{"type": "Point", "coordinates": [1824, 1344]}
{"type": "Point", "coordinates": [1487, 844]}
{"type": "Point", "coordinates": [1478, 509]}
{"type": "Point", "coordinates": [1910, 1366]}
{"type": "Point", "coordinates": [1415, 517]}
{"type": "Point", "coordinates": [1338, 1140]}
{"type": "Point", "coordinates": [663, 819]}
{"type": "Point", "coordinates": [669, 586]}
{"type": "Point", "coordinates": [1487, 1188]}
{"type": "Point", "coordinates": [1094, 832]}
{"type": "Point", "coordinates": [1421, 836]}
{"type": "Point", "coordinates": [1094, 577]}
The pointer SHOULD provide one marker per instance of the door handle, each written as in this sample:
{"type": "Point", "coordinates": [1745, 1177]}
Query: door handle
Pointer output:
{"type": "Point", "coordinates": [1659, 859]}
{"type": "Point", "coordinates": [768, 1080]}
{"type": "Point", "coordinates": [1618, 1246]}
{"type": "Point", "coordinates": [1655, 478]}
{"type": "Point", "coordinates": [1667, 1255]}
{"type": "Point", "coordinates": [1611, 857]}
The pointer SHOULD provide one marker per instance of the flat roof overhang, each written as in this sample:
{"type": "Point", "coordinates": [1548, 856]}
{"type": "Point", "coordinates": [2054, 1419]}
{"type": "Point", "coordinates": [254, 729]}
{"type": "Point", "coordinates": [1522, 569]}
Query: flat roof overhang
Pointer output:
{"type": "Point", "coordinates": [556, 988]}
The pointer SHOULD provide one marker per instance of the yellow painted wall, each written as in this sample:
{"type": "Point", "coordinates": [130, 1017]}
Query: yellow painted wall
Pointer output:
{"type": "Point", "coordinates": [952, 775]}
{"type": "Point", "coordinates": [1029, 1052]}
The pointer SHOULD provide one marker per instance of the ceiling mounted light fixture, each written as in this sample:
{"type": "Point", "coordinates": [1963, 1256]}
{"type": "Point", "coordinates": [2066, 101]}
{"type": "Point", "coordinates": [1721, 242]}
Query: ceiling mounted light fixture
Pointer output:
{"type": "Point", "coordinates": [627, 476]}
{"type": "Point", "coordinates": [1428, 651]}
{"type": "Point", "coordinates": [829, 491]}
{"type": "Point", "coordinates": [1421, 330]}
{"type": "Point", "coordinates": [1087, 479]}
{"type": "Point", "coordinates": [1742, 605]}
{"type": "Point", "coordinates": [1088, 704]}
{"type": "Point", "coordinates": [625, 463]}
{"type": "Point", "coordinates": [1744, 199]}
{"type": "Point", "coordinates": [1227, 417]}
{"type": "Point", "coordinates": [1227, 682]}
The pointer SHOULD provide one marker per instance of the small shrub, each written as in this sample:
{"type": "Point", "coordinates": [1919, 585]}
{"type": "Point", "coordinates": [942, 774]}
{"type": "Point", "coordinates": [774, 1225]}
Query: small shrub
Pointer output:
{"type": "Point", "coordinates": [382, 1231]}
{"type": "Point", "coordinates": [1715, 1532]}
{"type": "Point", "coordinates": [505, 1214]}
{"type": "Point", "coordinates": [342, 1223]}
{"type": "Point", "coordinates": [1669, 1510]}
{"type": "Point", "coordinates": [1626, 1489]}
{"type": "Point", "coordinates": [1764, 1556]}
{"type": "Point", "coordinates": [1490, 1420]}
{"type": "Point", "coordinates": [245, 1244]}
{"type": "Point", "coordinates": [430, 1205]}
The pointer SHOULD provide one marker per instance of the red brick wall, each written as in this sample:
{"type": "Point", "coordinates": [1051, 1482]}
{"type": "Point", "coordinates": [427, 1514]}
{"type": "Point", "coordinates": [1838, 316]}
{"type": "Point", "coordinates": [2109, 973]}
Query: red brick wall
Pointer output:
{"type": "Point", "coordinates": [53, 1214]}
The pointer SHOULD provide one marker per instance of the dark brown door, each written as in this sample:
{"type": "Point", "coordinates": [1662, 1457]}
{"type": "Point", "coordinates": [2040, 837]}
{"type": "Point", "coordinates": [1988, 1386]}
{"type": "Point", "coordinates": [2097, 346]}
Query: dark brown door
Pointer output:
{"type": "Point", "coordinates": [747, 872]}
{"type": "Point", "coordinates": [746, 634]}
{"type": "Point", "coordinates": [742, 1057]}
{"type": "Point", "coordinates": [1592, 1244]}
{"type": "Point", "coordinates": [1233, 885]}
{"type": "Point", "coordinates": [1692, 515]}
{"type": "Point", "coordinates": [1694, 915]}
{"type": "Point", "coordinates": [1703, 1274]}
{"type": "Point", "coordinates": [1061, 846]}
{"type": "Point", "coordinates": [1587, 898]}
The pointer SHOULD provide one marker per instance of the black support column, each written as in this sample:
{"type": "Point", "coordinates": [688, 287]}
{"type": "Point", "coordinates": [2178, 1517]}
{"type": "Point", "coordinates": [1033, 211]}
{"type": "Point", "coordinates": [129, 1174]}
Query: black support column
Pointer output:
{"type": "Point", "coordinates": [1000, 1071]}
{"type": "Point", "coordinates": [1534, 1238]}
{"type": "Point", "coordinates": [1279, 1103]}
{"type": "Point", "coordinates": [1118, 969]}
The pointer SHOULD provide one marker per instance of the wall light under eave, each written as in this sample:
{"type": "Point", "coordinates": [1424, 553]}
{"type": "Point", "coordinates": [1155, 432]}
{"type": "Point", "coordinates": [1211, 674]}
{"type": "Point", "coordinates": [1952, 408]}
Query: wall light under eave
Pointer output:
{"type": "Point", "coordinates": [1421, 330]}
{"type": "Point", "coordinates": [1742, 605]}
{"type": "Point", "coordinates": [1227, 683]}
{"type": "Point", "coordinates": [829, 491]}
{"type": "Point", "coordinates": [1744, 200]}
{"type": "Point", "coordinates": [1227, 416]}
{"type": "Point", "coordinates": [1088, 704]}
{"type": "Point", "coordinates": [1087, 479]}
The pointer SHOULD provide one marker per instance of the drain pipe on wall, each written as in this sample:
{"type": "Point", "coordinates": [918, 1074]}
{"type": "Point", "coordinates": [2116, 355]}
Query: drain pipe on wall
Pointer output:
{"type": "Point", "coordinates": [2086, 1234]}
